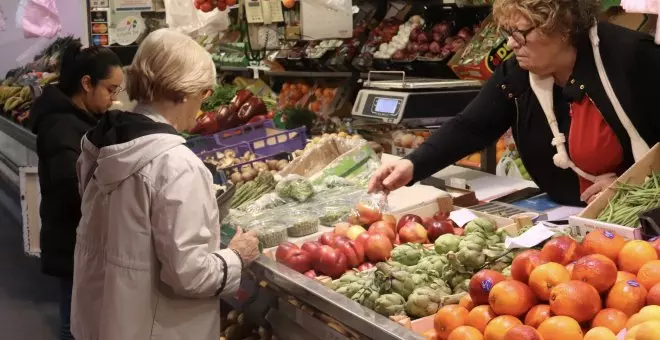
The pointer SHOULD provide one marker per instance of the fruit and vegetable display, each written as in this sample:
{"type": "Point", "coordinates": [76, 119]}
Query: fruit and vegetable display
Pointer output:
{"type": "Point", "coordinates": [594, 290]}
{"type": "Point", "coordinates": [244, 107]}
{"type": "Point", "coordinates": [630, 201]}
{"type": "Point", "coordinates": [394, 38]}
{"type": "Point", "coordinates": [236, 326]}
{"type": "Point", "coordinates": [209, 5]}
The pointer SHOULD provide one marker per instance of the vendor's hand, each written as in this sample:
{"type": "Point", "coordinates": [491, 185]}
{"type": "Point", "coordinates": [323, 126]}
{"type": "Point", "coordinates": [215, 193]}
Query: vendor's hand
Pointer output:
{"type": "Point", "coordinates": [392, 176]}
{"type": "Point", "coordinates": [246, 244]}
{"type": "Point", "coordinates": [602, 182]}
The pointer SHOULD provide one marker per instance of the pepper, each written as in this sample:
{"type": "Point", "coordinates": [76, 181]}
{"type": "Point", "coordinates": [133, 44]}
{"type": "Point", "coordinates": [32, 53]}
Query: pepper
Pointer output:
{"type": "Point", "coordinates": [226, 116]}
{"type": "Point", "coordinates": [206, 124]}
{"type": "Point", "coordinates": [241, 97]}
{"type": "Point", "coordinates": [253, 107]}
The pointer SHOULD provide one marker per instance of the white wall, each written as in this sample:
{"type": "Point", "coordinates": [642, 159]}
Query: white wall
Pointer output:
{"type": "Point", "coordinates": [73, 16]}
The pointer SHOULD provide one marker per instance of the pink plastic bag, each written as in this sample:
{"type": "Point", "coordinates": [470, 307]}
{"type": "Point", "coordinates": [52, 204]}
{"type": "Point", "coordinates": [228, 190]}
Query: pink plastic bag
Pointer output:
{"type": "Point", "coordinates": [40, 18]}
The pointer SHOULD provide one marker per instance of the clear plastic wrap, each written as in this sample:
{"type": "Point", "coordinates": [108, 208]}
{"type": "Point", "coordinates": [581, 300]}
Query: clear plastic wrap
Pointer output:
{"type": "Point", "coordinates": [302, 222]}
{"type": "Point", "coordinates": [369, 209]}
{"type": "Point", "coordinates": [332, 214]}
{"type": "Point", "coordinates": [295, 187]}
{"type": "Point", "coordinates": [266, 202]}
{"type": "Point", "coordinates": [270, 232]}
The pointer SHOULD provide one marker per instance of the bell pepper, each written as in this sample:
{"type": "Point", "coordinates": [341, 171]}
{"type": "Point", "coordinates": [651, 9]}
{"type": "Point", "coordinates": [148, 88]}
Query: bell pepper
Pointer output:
{"type": "Point", "coordinates": [226, 116]}
{"type": "Point", "coordinates": [241, 97]}
{"type": "Point", "coordinates": [253, 107]}
{"type": "Point", "coordinates": [206, 124]}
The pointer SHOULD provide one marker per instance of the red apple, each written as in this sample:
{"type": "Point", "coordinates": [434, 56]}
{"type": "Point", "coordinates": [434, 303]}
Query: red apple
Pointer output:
{"type": "Point", "coordinates": [437, 228]}
{"type": "Point", "coordinates": [408, 218]}
{"type": "Point", "coordinates": [327, 238]}
{"type": "Point", "coordinates": [354, 253]}
{"type": "Point", "coordinates": [441, 215]}
{"type": "Point", "coordinates": [382, 227]}
{"type": "Point", "coordinates": [362, 239]}
{"type": "Point", "coordinates": [339, 240]}
{"type": "Point", "coordinates": [311, 274]}
{"type": "Point", "coordinates": [341, 228]}
{"type": "Point", "coordinates": [426, 221]}
{"type": "Point", "coordinates": [311, 247]}
{"type": "Point", "coordinates": [459, 231]}
{"type": "Point", "coordinates": [368, 214]}
{"type": "Point", "coordinates": [284, 250]}
{"type": "Point", "coordinates": [378, 247]}
{"type": "Point", "coordinates": [365, 266]}
{"type": "Point", "coordinates": [299, 261]}
{"type": "Point", "coordinates": [413, 232]}
{"type": "Point", "coordinates": [330, 261]}
{"type": "Point", "coordinates": [354, 219]}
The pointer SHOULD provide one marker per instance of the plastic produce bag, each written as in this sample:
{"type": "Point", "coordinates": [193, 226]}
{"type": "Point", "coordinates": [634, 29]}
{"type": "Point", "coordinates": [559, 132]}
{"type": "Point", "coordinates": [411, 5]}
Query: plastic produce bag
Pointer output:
{"type": "Point", "coordinates": [38, 18]}
{"type": "Point", "coordinates": [295, 187]}
{"type": "Point", "coordinates": [369, 209]}
{"type": "Point", "coordinates": [182, 16]}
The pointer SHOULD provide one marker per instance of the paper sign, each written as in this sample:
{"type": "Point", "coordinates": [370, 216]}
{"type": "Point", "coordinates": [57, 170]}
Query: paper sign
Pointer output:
{"type": "Point", "coordinates": [462, 217]}
{"type": "Point", "coordinates": [530, 238]}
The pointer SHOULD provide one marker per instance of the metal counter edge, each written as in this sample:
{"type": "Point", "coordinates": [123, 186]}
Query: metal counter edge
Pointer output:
{"type": "Point", "coordinates": [346, 311]}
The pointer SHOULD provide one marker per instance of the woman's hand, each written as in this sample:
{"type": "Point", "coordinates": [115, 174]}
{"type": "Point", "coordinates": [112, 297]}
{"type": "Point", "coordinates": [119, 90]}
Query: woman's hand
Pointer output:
{"type": "Point", "coordinates": [246, 244]}
{"type": "Point", "coordinates": [392, 176]}
{"type": "Point", "coordinates": [602, 182]}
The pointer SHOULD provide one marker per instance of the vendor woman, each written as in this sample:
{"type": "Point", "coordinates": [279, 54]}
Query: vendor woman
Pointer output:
{"type": "Point", "coordinates": [581, 98]}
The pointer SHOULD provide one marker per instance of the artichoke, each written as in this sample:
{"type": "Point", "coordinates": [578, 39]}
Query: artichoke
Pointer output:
{"type": "Point", "coordinates": [407, 254]}
{"type": "Point", "coordinates": [424, 301]}
{"type": "Point", "coordinates": [392, 279]}
{"type": "Point", "coordinates": [366, 296]}
{"type": "Point", "coordinates": [461, 285]}
{"type": "Point", "coordinates": [446, 243]}
{"type": "Point", "coordinates": [481, 224]}
{"type": "Point", "coordinates": [434, 262]}
{"type": "Point", "coordinates": [390, 304]}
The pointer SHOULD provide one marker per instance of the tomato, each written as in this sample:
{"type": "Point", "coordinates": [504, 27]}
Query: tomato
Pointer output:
{"type": "Point", "coordinates": [222, 6]}
{"type": "Point", "coordinates": [206, 7]}
{"type": "Point", "coordinates": [288, 3]}
{"type": "Point", "coordinates": [231, 2]}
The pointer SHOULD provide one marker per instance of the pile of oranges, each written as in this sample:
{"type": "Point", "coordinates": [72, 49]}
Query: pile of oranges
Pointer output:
{"type": "Point", "coordinates": [565, 291]}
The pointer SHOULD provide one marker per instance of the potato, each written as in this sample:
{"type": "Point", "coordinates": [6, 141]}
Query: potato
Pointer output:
{"type": "Point", "coordinates": [236, 177]}
{"type": "Point", "coordinates": [281, 164]}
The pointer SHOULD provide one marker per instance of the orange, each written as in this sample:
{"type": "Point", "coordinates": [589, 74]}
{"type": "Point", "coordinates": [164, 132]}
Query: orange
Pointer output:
{"type": "Point", "coordinates": [570, 267]}
{"type": "Point", "coordinates": [431, 334]}
{"type": "Point", "coordinates": [511, 297]}
{"type": "Point", "coordinates": [449, 318]}
{"type": "Point", "coordinates": [627, 296]}
{"type": "Point", "coordinates": [649, 330]}
{"type": "Point", "coordinates": [655, 242]}
{"type": "Point", "coordinates": [603, 242]}
{"type": "Point", "coordinates": [597, 270]}
{"type": "Point", "coordinates": [562, 249]}
{"type": "Point", "coordinates": [599, 333]}
{"type": "Point", "coordinates": [545, 277]}
{"type": "Point", "coordinates": [480, 316]}
{"type": "Point", "coordinates": [537, 315]}
{"type": "Point", "coordinates": [522, 332]}
{"type": "Point", "coordinates": [635, 254]}
{"type": "Point", "coordinates": [649, 274]}
{"type": "Point", "coordinates": [653, 295]}
{"type": "Point", "coordinates": [624, 276]}
{"type": "Point", "coordinates": [481, 283]}
{"type": "Point", "coordinates": [576, 299]}
{"type": "Point", "coordinates": [560, 328]}
{"type": "Point", "coordinates": [466, 302]}
{"type": "Point", "coordinates": [465, 333]}
{"type": "Point", "coordinates": [523, 264]}
{"type": "Point", "coordinates": [497, 328]}
{"type": "Point", "coordinates": [610, 318]}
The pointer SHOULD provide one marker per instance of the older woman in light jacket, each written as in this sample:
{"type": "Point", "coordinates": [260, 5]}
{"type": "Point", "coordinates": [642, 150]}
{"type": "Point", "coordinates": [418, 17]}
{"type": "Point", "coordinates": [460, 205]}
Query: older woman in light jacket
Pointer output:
{"type": "Point", "coordinates": [148, 263]}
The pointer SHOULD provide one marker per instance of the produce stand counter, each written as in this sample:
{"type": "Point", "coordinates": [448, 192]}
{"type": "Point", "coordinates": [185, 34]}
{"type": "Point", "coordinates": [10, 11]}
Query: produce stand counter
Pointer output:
{"type": "Point", "coordinates": [291, 322]}
{"type": "Point", "coordinates": [18, 148]}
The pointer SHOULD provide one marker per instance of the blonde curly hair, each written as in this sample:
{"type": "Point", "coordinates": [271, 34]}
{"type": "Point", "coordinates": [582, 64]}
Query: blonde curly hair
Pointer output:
{"type": "Point", "coordinates": [570, 18]}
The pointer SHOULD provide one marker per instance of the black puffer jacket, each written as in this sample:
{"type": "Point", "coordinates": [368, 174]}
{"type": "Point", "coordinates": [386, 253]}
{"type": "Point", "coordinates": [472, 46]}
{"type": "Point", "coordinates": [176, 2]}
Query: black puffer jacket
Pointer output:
{"type": "Point", "coordinates": [59, 126]}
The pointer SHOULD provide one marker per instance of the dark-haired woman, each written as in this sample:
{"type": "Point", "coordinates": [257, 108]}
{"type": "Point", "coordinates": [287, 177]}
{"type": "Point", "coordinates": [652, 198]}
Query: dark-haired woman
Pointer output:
{"type": "Point", "coordinates": [90, 79]}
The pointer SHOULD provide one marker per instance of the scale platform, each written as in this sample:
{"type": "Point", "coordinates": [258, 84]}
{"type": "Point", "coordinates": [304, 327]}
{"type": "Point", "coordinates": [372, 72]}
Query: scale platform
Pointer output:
{"type": "Point", "coordinates": [419, 101]}
{"type": "Point", "coordinates": [506, 210]}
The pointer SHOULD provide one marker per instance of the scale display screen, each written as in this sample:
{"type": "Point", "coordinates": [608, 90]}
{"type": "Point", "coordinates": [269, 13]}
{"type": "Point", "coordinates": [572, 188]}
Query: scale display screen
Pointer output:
{"type": "Point", "coordinates": [386, 106]}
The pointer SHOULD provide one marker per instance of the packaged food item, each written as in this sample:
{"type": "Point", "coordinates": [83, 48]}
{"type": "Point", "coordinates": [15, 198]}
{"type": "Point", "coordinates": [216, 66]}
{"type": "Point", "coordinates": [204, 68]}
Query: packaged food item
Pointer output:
{"type": "Point", "coordinates": [333, 214]}
{"type": "Point", "coordinates": [269, 232]}
{"type": "Point", "coordinates": [302, 223]}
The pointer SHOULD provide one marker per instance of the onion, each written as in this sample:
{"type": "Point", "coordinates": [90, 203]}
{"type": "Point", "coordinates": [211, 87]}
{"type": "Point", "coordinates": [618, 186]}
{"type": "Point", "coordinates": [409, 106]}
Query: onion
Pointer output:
{"type": "Point", "coordinates": [414, 34]}
{"type": "Point", "coordinates": [457, 44]}
{"type": "Point", "coordinates": [398, 55]}
{"type": "Point", "coordinates": [415, 19]}
{"type": "Point", "coordinates": [423, 48]}
{"type": "Point", "coordinates": [423, 38]}
{"type": "Point", "coordinates": [383, 48]}
{"type": "Point", "coordinates": [415, 47]}
{"type": "Point", "coordinates": [465, 33]}
{"type": "Point", "coordinates": [449, 40]}
{"type": "Point", "coordinates": [434, 47]}
{"type": "Point", "coordinates": [442, 28]}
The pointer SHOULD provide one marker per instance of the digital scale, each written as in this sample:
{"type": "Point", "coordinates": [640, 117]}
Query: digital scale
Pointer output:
{"type": "Point", "coordinates": [416, 101]}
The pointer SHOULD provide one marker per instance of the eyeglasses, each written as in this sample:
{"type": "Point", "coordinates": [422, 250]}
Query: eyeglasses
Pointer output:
{"type": "Point", "coordinates": [519, 36]}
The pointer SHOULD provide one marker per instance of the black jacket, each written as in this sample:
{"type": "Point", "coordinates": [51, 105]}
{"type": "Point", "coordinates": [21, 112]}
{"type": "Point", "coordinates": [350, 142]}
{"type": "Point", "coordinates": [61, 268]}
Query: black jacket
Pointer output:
{"type": "Point", "coordinates": [59, 126]}
{"type": "Point", "coordinates": [632, 62]}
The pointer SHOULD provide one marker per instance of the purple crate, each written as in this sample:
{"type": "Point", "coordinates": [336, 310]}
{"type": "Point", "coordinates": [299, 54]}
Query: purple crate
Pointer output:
{"type": "Point", "coordinates": [244, 133]}
{"type": "Point", "coordinates": [284, 141]}
{"type": "Point", "coordinates": [202, 143]}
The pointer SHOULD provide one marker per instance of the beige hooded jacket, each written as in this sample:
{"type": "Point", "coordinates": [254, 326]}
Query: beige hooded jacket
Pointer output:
{"type": "Point", "coordinates": [148, 263]}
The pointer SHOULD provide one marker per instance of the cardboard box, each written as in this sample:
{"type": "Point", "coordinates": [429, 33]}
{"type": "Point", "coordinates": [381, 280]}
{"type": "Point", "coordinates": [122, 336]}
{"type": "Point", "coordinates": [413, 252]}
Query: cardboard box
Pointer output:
{"type": "Point", "coordinates": [586, 221]}
{"type": "Point", "coordinates": [481, 68]}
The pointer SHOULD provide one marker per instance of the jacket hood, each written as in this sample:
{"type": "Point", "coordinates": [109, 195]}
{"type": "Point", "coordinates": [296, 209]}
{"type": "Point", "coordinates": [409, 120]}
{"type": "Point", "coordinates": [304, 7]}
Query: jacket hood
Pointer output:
{"type": "Point", "coordinates": [53, 101]}
{"type": "Point", "coordinates": [120, 145]}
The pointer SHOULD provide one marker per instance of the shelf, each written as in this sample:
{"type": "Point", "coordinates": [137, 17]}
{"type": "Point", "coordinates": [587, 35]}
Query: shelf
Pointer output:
{"type": "Point", "coordinates": [286, 74]}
